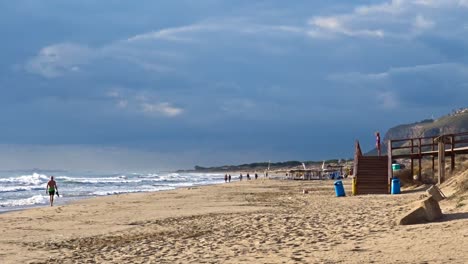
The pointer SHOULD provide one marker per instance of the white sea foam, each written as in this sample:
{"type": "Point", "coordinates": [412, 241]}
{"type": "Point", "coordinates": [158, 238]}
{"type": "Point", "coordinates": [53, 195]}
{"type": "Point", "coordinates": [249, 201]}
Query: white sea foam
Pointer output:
{"type": "Point", "coordinates": [111, 192]}
{"type": "Point", "coordinates": [34, 179]}
{"type": "Point", "coordinates": [22, 191]}
{"type": "Point", "coordinates": [19, 188]}
{"type": "Point", "coordinates": [204, 175]}
{"type": "Point", "coordinates": [119, 179]}
{"type": "Point", "coordinates": [35, 200]}
{"type": "Point", "coordinates": [149, 175]}
{"type": "Point", "coordinates": [151, 189]}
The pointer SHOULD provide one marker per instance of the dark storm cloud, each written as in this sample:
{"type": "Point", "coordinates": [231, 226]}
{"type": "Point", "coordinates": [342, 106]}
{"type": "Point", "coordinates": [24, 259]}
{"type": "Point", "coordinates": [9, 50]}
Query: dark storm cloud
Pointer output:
{"type": "Point", "coordinates": [190, 76]}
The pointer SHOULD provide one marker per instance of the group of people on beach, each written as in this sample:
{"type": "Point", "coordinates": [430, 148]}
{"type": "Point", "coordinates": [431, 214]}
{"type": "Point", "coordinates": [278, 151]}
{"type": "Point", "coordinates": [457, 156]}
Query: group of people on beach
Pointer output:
{"type": "Point", "coordinates": [52, 189]}
{"type": "Point", "coordinates": [227, 177]}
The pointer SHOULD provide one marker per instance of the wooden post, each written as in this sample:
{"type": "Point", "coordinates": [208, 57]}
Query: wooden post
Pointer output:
{"type": "Point", "coordinates": [433, 157]}
{"type": "Point", "coordinates": [390, 161]}
{"type": "Point", "coordinates": [357, 154]}
{"type": "Point", "coordinates": [412, 167]}
{"type": "Point", "coordinates": [441, 159]}
{"type": "Point", "coordinates": [452, 156]}
{"type": "Point", "coordinates": [419, 160]}
{"type": "Point", "coordinates": [411, 157]}
{"type": "Point", "coordinates": [419, 168]}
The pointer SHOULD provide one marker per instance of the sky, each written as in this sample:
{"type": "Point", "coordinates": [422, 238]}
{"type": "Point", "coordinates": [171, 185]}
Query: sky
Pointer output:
{"type": "Point", "coordinates": [156, 85]}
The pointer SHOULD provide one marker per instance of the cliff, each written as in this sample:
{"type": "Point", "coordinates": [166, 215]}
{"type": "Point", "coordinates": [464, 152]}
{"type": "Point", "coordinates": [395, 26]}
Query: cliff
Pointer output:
{"type": "Point", "coordinates": [456, 122]}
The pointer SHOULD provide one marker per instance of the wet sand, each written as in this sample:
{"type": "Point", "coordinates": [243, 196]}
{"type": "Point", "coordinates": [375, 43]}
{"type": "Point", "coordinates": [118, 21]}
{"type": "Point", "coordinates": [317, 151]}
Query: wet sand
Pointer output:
{"type": "Point", "coordinates": [257, 221]}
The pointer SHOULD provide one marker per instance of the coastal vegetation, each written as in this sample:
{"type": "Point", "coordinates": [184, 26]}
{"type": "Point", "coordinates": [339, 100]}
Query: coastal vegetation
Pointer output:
{"type": "Point", "coordinates": [455, 122]}
{"type": "Point", "coordinates": [262, 166]}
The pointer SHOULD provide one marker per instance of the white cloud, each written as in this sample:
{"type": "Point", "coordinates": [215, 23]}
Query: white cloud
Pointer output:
{"type": "Point", "coordinates": [238, 106]}
{"type": "Point", "coordinates": [113, 94]}
{"type": "Point", "coordinates": [188, 33]}
{"type": "Point", "coordinates": [391, 72]}
{"type": "Point", "coordinates": [421, 23]}
{"type": "Point", "coordinates": [66, 58]}
{"type": "Point", "coordinates": [144, 50]}
{"type": "Point", "coordinates": [329, 23]}
{"type": "Point", "coordinates": [387, 100]}
{"type": "Point", "coordinates": [164, 108]}
{"type": "Point", "coordinates": [130, 101]}
{"type": "Point", "coordinates": [175, 33]}
{"type": "Point", "coordinates": [392, 7]}
{"type": "Point", "coordinates": [389, 19]}
{"type": "Point", "coordinates": [463, 3]}
{"type": "Point", "coordinates": [324, 25]}
{"type": "Point", "coordinates": [396, 18]}
{"type": "Point", "coordinates": [411, 86]}
{"type": "Point", "coordinates": [122, 103]}
{"type": "Point", "coordinates": [56, 60]}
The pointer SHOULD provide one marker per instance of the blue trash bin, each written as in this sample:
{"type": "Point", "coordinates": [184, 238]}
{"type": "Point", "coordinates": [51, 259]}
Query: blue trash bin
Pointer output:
{"type": "Point", "coordinates": [339, 189]}
{"type": "Point", "coordinates": [395, 189]}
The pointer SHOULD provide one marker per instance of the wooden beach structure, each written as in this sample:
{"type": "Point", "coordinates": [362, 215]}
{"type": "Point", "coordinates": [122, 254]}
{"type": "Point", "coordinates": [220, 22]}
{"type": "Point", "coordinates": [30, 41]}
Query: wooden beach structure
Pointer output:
{"type": "Point", "coordinates": [370, 173]}
{"type": "Point", "coordinates": [333, 169]}
{"type": "Point", "coordinates": [305, 174]}
{"type": "Point", "coordinates": [373, 174]}
{"type": "Point", "coordinates": [439, 147]}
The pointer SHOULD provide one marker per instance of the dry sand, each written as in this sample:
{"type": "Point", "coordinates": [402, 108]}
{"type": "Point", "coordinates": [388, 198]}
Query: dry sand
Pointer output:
{"type": "Point", "coordinates": [262, 221]}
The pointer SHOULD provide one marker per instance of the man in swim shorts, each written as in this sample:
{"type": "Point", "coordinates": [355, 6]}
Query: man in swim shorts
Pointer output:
{"type": "Point", "coordinates": [51, 188]}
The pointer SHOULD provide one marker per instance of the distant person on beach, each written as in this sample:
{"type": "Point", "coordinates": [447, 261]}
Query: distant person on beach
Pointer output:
{"type": "Point", "coordinates": [377, 143]}
{"type": "Point", "coordinates": [248, 176]}
{"type": "Point", "coordinates": [240, 177]}
{"type": "Point", "coordinates": [229, 177]}
{"type": "Point", "coordinates": [256, 175]}
{"type": "Point", "coordinates": [225, 178]}
{"type": "Point", "coordinates": [51, 188]}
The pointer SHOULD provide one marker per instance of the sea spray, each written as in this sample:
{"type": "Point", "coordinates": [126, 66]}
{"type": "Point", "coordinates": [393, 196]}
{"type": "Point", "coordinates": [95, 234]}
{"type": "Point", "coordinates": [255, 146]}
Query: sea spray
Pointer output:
{"type": "Point", "coordinates": [24, 189]}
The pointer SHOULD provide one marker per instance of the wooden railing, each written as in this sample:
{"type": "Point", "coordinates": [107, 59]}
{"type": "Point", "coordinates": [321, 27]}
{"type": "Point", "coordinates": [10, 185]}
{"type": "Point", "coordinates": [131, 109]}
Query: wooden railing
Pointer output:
{"type": "Point", "coordinates": [422, 145]}
{"type": "Point", "coordinates": [357, 154]}
{"type": "Point", "coordinates": [416, 148]}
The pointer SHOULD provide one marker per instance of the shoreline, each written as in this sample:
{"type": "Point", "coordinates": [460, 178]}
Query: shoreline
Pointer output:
{"type": "Point", "coordinates": [69, 199]}
{"type": "Point", "coordinates": [263, 221]}
{"type": "Point", "coordinates": [78, 198]}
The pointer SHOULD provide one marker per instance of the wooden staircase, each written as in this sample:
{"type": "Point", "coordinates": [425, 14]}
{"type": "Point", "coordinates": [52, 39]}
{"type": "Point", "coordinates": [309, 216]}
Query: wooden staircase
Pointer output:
{"type": "Point", "coordinates": [370, 173]}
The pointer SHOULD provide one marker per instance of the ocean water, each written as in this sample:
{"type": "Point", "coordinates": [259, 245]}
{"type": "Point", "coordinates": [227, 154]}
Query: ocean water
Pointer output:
{"type": "Point", "coordinates": [26, 189]}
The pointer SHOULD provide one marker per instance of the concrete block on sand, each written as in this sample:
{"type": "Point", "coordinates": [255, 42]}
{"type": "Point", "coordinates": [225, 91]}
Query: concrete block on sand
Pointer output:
{"type": "Point", "coordinates": [427, 210]}
{"type": "Point", "coordinates": [432, 208]}
{"type": "Point", "coordinates": [435, 193]}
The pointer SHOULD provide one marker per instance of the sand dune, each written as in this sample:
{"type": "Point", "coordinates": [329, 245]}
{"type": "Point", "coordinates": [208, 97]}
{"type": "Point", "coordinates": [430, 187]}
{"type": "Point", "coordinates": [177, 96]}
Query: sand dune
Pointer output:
{"type": "Point", "coordinates": [263, 221]}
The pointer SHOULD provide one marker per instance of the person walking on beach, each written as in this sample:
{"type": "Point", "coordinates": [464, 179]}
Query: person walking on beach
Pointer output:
{"type": "Point", "coordinates": [51, 188]}
{"type": "Point", "coordinates": [256, 175]}
{"type": "Point", "coordinates": [229, 177]}
{"type": "Point", "coordinates": [377, 143]}
{"type": "Point", "coordinates": [225, 178]}
{"type": "Point", "coordinates": [248, 176]}
{"type": "Point", "coordinates": [240, 177]}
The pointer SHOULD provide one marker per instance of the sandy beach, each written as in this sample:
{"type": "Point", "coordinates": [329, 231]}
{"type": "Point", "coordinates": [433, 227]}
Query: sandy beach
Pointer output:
{"type": "Point", "coordinates": [258, 221]}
